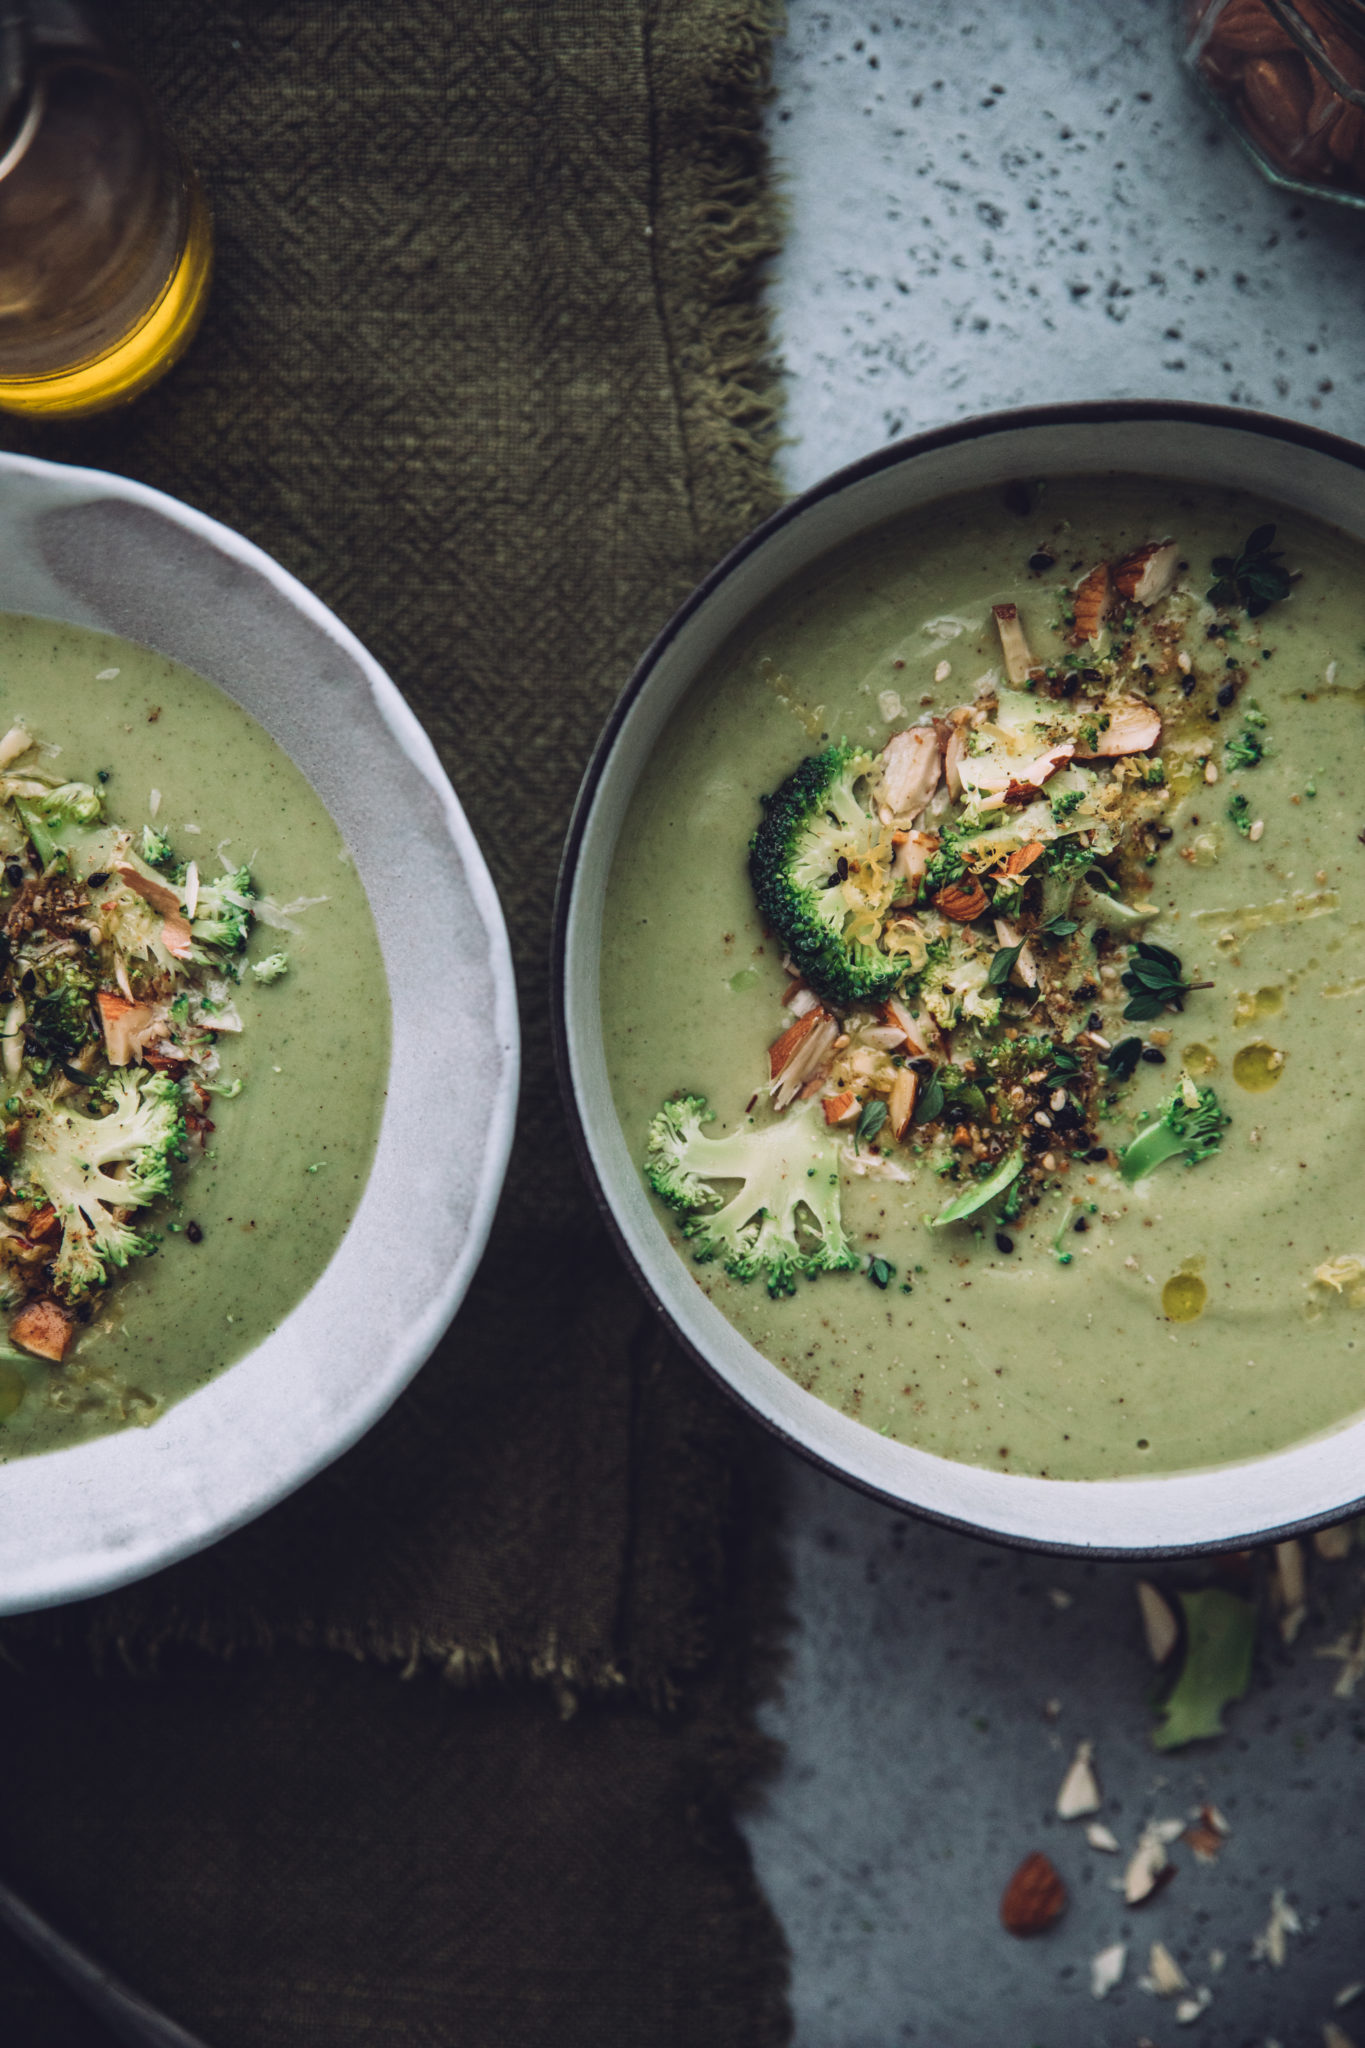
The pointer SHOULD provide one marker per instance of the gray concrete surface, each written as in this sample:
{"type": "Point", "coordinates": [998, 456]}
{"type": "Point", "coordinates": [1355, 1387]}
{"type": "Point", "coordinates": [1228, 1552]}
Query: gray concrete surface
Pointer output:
{"type": "Point", "coordinates": [999, 205]}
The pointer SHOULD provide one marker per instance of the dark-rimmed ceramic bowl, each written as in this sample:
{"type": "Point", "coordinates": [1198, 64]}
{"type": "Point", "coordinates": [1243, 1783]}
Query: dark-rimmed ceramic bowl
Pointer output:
{"type": "Point", "coordinates": [1223, 1507]}
{"type": "Point", "coordinates": [96, 550]}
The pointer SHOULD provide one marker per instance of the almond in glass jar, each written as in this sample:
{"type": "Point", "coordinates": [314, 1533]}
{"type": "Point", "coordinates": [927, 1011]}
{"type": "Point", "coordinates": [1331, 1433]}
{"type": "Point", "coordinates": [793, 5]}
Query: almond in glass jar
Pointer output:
{"type": "Point", "coordinates": [1290, 77]}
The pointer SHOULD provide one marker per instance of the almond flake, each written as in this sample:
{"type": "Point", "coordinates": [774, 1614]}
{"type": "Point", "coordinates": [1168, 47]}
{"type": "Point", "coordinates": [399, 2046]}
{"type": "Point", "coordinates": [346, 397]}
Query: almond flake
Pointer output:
{"type": "Point", "coordinates": [1080, 1791]}
{"type": "Point", "coordinates": [1164, 1974]}
{"type": "Point", "coordinates": [1347, 1995]}
{"type": "Point", "coordinates": [1147, 1864]}
{"type": "Point", "coordinates": [1159, 1624]}
{"type": "Point", "coordinates": [1106, 1969]}
{"type": "Point", "coordinates": [1271, 1944]}
{"type": "Point", "coordinates": [1190, 2008]}
{"type": "Point", "coordinates": [1101, 1837]}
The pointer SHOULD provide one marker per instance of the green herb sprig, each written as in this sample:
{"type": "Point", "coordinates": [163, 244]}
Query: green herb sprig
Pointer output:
{"type": "Point", "coordinates": [1154, 981]}
{"type": "Point", "coordinates": [1253, 579]}
{"type": "Point", "coordinates": [1002, 966]}
{"type": "Point", "coordinates": [1122, 1059]}
{"type": "Point", "coordinates": [874, 1114]}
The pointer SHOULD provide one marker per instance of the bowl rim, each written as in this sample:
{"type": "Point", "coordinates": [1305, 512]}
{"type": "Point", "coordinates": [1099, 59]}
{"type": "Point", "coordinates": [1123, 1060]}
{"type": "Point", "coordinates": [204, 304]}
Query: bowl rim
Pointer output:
{"type": "Point", "coordinates": [113, 1567]}
{"type": "Point", "coordinates": [1080, 413]}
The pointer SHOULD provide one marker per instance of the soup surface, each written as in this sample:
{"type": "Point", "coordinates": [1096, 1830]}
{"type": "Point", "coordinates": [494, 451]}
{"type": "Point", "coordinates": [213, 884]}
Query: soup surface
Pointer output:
{"type": "Point", "coordinates": [269, 1192]}
{"type": "Point", "coordinates": [1087, 1321]}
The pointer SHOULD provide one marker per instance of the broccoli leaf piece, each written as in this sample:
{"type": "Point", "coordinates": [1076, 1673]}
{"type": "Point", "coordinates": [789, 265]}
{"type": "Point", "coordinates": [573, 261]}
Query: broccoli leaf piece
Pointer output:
{"type": "Point", "coordinates": [1220, 1634]}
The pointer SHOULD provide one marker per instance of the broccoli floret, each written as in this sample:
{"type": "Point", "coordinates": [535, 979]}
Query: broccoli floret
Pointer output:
{"type": "Point", "coordinates": [222, 916]}
{"type": "Point", "coordinates": [64, 1158]}
{"type": "Point", "coordinates": [271, 968]}
{"type": "Point", "coordinates": [1061, 868]}
{"type": "Point", "coordinates": [1246, 749]}
{"type": "Point", "coordinates": [1183, 1130]}
{"type": "Point", "coordinates": [156, 848]}
{"type": "Point", "coordinates": [783, 1222]}
{"type": "Point", "coordinates": [45, 817]}
{"type": "Point", "coordinates": [819, 847]}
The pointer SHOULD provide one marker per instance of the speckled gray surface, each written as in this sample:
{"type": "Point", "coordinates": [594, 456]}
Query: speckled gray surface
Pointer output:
{"type": "Point", "coordinates": [993, 206]}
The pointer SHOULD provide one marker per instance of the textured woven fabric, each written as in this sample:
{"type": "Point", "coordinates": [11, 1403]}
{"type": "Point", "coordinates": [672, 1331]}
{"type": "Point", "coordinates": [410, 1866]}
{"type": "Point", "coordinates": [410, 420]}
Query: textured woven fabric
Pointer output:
{"type": "Point", "coordinates": [483, 367]}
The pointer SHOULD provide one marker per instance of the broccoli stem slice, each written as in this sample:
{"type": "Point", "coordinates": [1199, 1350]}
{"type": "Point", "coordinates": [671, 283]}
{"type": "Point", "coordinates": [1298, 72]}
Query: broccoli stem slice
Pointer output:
{"type": "Point", "coordinates": [1189, 1131]}
{"type": "Point", "coordinates": [976, 1197]}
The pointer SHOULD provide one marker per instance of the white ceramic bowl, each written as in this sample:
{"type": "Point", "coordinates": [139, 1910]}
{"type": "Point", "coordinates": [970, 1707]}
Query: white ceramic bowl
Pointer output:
{"type": "Point", "coordinates": [95, 550]}
{"type": "Point", "coordinates": [1223, 1507]}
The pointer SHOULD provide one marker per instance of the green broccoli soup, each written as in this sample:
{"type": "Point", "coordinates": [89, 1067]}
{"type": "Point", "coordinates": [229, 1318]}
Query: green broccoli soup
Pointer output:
{"type": "Point", "coordinates": [194, 1034]}
{"type": "Point", "coordinates": [984, 978]}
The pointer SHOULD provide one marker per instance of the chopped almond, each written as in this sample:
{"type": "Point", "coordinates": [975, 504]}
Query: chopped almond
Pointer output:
{"type": "Point", "coordinates": [1022, 857]}
{"type": "Point", "coordinates": [1034, 1897]}
{"type": "Point", "coordinates": [1080, 1791]}
{"type": "Point", "coordinates": [840, 1109]}
{"type": "Point", "coordinates": [809, 1043]}
{"type": "Point", "coordinates": [910, 1028]}
{"type": "Point", "coordinates": [1134, 727]}
{"type": "Point", "coordinates": [1091, 602]}
{"type": "Point", "coordinates": [962, 901]}
{"type": "Point", "coordinates": [913, 855]}
{"type": "Point", "coordinates": [1148, 573]}
{"type": "Point", "coordinates": [911, 767]}
{"type": "Point", "coordinates": [44, 1224]}
{"type": "Point", "coordinates": [176, 938]}
{"type": "Point", "coordinates": [782, 1049]}
{"type": "Point", "coordinates": [954, 754]}
{"type": "Point", "coordinates": [44, 1329]}
{"type": "Point", "coordinates": [1019, 662]}
{"type": "Point", "coordinates": [124, 1024]}
{"type": "Point", "coordinates": [901, 1101]}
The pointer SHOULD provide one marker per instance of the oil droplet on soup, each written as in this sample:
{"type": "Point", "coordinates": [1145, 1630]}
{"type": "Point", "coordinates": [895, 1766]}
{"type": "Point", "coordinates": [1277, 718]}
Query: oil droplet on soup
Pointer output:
{"type": "Point", "coordinates": [1199, 1059]}
{"type": "Point", "coordinates": [1183, 1297]}
{"type": "Point", "coordinates": [1257, 1067]}
{"type": "Point", "coordinates": [1253, 1004]}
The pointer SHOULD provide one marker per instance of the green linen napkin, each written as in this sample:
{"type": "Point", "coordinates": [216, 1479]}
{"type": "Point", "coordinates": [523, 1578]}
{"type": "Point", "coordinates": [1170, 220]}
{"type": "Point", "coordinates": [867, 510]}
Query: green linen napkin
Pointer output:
{"type": "Point", "coordinates": [484, 366]}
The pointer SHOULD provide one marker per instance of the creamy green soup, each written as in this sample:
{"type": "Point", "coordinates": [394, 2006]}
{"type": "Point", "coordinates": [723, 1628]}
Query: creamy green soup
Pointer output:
{"type": "Point", "coordinates": [1209, 1312]}
{"type": "Point", "coordinates": [268, 1194]}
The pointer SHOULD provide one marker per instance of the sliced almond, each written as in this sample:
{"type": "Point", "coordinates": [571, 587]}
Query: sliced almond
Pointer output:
{"type": "Point", "coordinates": [900, 1103]}
{"type": "Point", "coordinates": [798, 1056]}
{"type": "Point", "coordinates": [1334, 1543]}
{"type": "Point", "coordinates": [1091, 604]}
{"type": "Point", "coordinates": [841, 1108]}
{"type": "Point", "coordinates": [911, 1028]}
{"type": "Point", "coordinates": [911, 769]}
{"type": "Point", "coordinates": [913, 856]}
{"type": "Point", "coordinates": [1134, 728]}
{"type": "Point", "coordinates": [1014, 646]}
{"type": "Point", "coordinates": [1101, 1837]}
{"type": "Point", "coordinates": [1159, 1624]}
{"type": "Point", "coordinates": [1290, 1588]}
{"type": "Point", "coordinates": [1147, 1866]}
{"type": "Point", "coordinates": [1080, 1790]}
{"type": "Point", "coordinates": [44, 1329]}
{"type": "Point", "coordinates": [1148, 573]}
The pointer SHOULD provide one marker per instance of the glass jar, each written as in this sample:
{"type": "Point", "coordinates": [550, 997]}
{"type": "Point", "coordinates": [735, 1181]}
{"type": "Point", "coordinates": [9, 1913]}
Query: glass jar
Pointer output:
{"type": "Point", "coordinates": [1290, 77]}
{"type": "Point", "coordinates": [105, 242]}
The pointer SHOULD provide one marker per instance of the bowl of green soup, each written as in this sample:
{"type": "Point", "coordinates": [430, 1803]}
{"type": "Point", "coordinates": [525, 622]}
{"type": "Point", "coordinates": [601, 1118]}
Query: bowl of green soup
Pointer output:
{"type": "Point", "coordinates": [258, 1041]}
{"type": "Point", "coordinates": [961, 976]}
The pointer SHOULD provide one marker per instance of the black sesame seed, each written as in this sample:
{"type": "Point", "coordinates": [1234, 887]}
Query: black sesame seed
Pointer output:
{"type": "Point", "coordinates": [1003, 1241]}
{"type": "Point", "coordinates": [14, 874]}
{"type": "Point", "coordinates": [29, 982]}
{"type": "Point", "coordinates": [1231, 661]}
{"type": "Point", "coordinates": [1042, 562]}
{"type": "Point", "coordinates": [1098, 1152]}
{"type": "Point", "coordinates": [1227, 693]}
{"type": "Point", "coordinates": [97, 881]}
{"type": "Point", "coordinates": [194, 1233]}
{"type": "Point", "coordinates": [1154, 1056]}
{"type": "Point", "coordinates": [1080, 1224]}
{"type": "Point", "coordinates": [1092, 675]}
{"type": "Point", "coordinates": [1164, 832]}
{"type": "Point", "coordinates": [1187, 685]}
